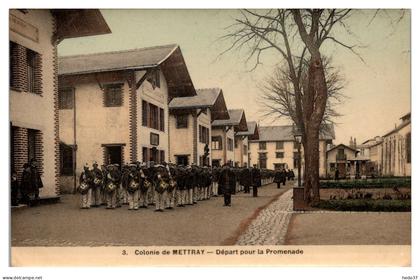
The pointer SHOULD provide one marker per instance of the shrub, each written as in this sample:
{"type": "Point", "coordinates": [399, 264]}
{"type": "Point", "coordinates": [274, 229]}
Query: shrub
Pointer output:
{"type": "Point", "coordinates": [368, 183]}
{"type": "Point", "coordinates": [365, 205]}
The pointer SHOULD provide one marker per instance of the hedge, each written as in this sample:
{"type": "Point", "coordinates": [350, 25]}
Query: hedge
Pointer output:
{"type": "Point", "coordinates": [367, 183]}
{"type": "Point", "coordinates": [365, 205]}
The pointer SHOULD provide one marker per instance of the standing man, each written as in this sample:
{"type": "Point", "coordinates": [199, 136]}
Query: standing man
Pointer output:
{"type": "Point", "coordinates": [256, 180]}
{"type": "Point", "coordinates": [245, 179]}
{"type": "Point", "coordinates": [15, 188]}
{"type": "Point", "coordinates": [278, 177]}
{"type": "Point", "coordinates": [161, 184]}
{"type": "Point", "coordinates": [96, 185]}
{"type": "Point", "coordinates": [145, 185]}
{"type": "Point", "coordinates": [181, 188]}
{"type": "Point", "coordinates": [133, 186]}
{"type": "Point", "coordinates": [227, 183]}
{"type": "Point", "coordinates": [171, 191]}
{"type": "Point", "coordinates": [190, 185]}
{"type": "Point", "coordinates": [85, 187]}
{"type": "Point", "coordinates": [215, 179]}
{"type": "Point", "coordinates": [31, 182]}
{"type": "Point", "coordinates": [104, 172]}
{"type": "Point", "coordinates": [112, 182]}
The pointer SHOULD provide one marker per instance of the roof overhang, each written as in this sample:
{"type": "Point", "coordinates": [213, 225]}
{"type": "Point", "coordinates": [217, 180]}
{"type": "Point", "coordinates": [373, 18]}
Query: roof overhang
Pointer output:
{"type": "Point", "coordinates": [242, 125]}
{"type": "Point", "coordinates": [73, 23]}
{"type": "Point", "coordinates": [219, 110]}
{"type": "Point", "coordinates": [177, 76]}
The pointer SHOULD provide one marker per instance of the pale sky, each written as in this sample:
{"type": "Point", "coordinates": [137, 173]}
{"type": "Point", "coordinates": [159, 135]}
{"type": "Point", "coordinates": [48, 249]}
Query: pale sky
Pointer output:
{"type": "Point", "coordinates": [378, 92]}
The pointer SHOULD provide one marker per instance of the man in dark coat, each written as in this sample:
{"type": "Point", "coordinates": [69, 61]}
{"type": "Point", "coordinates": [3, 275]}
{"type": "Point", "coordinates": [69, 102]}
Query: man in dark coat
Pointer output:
{"type": "Point", "coordinates": [31, 182]}
{"type": "Point", "coordinates": [256, 180]}
{"type": "Point", "coordinates": [245, 179]}
{"type": "Point", "coordinates": [181, 190]}
{"type": "Point", "coordinates": [15, 188]}
{"type": "Point", "coordinates": [278, 177]}
{"type": "Point", "coordinates": [227, 183]}
{"type": "Point", "coordinates": [215, 178]}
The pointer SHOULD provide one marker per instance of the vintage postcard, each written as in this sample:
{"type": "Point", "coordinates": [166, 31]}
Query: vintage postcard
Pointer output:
{"type": "Point", "coordinates": [265, 137]}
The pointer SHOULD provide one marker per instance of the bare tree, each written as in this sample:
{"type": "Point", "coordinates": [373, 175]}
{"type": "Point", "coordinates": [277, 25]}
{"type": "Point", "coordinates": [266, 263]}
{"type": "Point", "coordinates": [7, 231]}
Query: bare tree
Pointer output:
{"type": "Point", "coordinates": [297, 36]}
{"type": "Point", "coordinates": [278, 98]}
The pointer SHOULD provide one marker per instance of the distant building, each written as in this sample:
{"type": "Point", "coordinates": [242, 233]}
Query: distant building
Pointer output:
{"type": "Point", "coordinates": [242, 138]}
{"type": "Point", "coordinates": [347, 161]}
{"type": "Point", "coordinates": [190, 128]}
{"type": "Point", "coordinates": [396, 149]}
{"type": "Point", "coordinates": [371, 149]}
{"type": "Point", "coordinates": [34, 103]}
{"type": "Point", "coordinates": [114, 106]}
{"type": "Point", "coordinates": [276, 148]}
{"type": "Point", "coordinates": [223, 137]}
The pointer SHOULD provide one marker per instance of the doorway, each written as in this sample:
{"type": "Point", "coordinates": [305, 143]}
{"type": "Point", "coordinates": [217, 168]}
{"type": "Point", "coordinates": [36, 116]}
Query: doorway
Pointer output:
{"type": "Point", "coordinates": [113, 154]}
{"type": "Point", "coordinates": [182, 160]}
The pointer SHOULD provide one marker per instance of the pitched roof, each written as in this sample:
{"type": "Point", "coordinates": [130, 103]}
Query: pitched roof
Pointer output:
{"type": "Point", "coordinates": [406, 120]}
{"type": "Point", "coordinates": [285, 133]}
{"type": "Point", "coordinates": [118, 60]}
{"type": "Point", "coordinates": [342, 145]}
{"type": "Point", "coordinates": [251, 129]}
{"type": "Point", "coordinates": [72, 23]}
{"type": "Point", "coordinates": [205, 98]}
{"type": "Point", "coordinates": [167, 58]}
{"type": "Point", "coordinates": [235, 118]}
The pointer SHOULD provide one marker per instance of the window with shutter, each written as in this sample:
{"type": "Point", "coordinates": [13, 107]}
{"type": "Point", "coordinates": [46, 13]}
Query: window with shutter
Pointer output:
{"type": "Point", "coordinates": [30, 70]}
{"type": "Point", "coordinates": [66, 98]}
{"type": "Point", "coordinates": [216, 143]}
{"type": "Point", "coordinates": [144, 113]}
{"type": "Point", "coordinates": [162, 119]}
{"type": "Point", "coordinates": [113, 95]}
{"type": "Point", "coordinates": [154, 116]}
{"type": "Point", "coordinates": [181, 121]}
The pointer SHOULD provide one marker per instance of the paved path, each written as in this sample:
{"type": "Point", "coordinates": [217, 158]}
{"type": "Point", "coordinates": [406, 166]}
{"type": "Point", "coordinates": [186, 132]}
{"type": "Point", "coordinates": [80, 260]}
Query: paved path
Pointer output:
{"type": "Point", "coordinates": [206, 223]}
{"type": "Point", "coordinates": [270, 226]}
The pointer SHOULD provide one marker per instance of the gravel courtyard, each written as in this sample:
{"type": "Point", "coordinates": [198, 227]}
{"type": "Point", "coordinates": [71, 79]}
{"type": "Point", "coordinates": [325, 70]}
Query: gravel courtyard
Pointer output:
{"type": "Point", "coordinates": [206, 223]}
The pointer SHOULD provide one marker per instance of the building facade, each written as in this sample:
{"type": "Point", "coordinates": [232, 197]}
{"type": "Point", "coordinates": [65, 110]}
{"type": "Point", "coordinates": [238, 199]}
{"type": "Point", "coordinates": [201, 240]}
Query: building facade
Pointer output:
{"type": "Point", "coordinates": [223, 138]}
{"type": "Point", "coordinates": [242, 138]}
{"type": "Point", "coordinates": [114, 106]}
{"type": "Point", "coordinates": [190, 128]}
{"type": "Point", "coordinates": [277, 149]}
{"type": "Point", "coordinates": [34, 37]}
{"type": "Point", "coordinates": [396, 149]}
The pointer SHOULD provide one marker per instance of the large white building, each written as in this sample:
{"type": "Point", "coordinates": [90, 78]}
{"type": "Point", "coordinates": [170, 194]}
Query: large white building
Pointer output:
{"type": "Point", "coordinates": [34, 36]}
{"type": "Point", "coordinates": [396, 149]}
{"type": "Point", "coordinates": [114, 106]}
{"type": "Point", "coordinates": [276, 148]}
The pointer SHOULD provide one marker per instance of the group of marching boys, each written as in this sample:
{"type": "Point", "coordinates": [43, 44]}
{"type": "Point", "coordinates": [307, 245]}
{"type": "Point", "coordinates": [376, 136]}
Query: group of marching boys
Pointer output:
{"type": "Point", "coordinates": [162, 185]}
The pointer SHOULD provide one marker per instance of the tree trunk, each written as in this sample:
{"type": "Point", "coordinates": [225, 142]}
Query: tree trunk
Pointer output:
{"type": "Point", "coordinates": [312, 163]}
{"type": "Point", "coordinates": [316, 100]}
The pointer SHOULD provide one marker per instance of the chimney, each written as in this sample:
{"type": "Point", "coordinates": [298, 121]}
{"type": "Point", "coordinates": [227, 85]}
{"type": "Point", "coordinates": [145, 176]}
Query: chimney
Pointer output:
{"type": "Point", "coordinates": [351, 141]}
{"type": "Point", "coordinates": [355, 143]}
